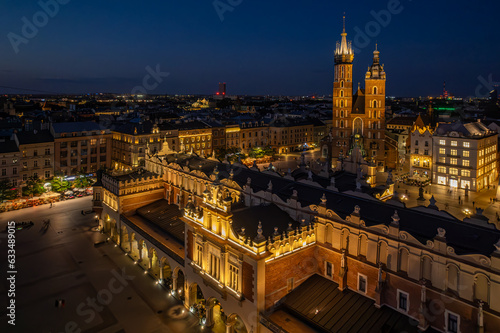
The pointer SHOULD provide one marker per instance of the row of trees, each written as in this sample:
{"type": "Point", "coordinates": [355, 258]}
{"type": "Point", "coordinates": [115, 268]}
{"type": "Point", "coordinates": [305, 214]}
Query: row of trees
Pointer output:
{"type": "Point", "coordinates": [34, 186]}
{"type": "Point", "coordinates": [233, 153]}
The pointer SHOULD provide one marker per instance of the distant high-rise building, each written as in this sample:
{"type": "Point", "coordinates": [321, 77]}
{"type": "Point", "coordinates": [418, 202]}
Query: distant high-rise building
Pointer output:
{"type": "Point", "coordinates": [222, 89]}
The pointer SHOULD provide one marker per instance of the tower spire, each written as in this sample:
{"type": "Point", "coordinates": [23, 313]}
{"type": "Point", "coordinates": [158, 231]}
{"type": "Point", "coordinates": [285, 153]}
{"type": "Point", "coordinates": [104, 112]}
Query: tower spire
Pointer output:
{"type": "Point", "coordinates": [343, 51]}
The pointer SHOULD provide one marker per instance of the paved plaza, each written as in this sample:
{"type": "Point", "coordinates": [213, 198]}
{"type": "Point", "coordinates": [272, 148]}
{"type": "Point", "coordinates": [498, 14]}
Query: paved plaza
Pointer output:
{"type": "Point", "coordinates": [103, 290]}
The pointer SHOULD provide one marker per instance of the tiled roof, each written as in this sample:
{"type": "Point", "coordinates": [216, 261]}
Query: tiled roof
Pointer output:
{"type": "Point", "coordinates": [320, 303]}
{"type": "Point", "coordinates": [79, 126]}
{"type": "Point", "coordinates": [465, 238]}
{"type": "Point", "coordinates": [31, 137]}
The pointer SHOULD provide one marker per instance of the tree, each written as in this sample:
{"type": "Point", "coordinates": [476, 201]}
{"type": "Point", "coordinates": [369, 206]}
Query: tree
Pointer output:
{"type": "Point", "coordinates": [34, 186]}
{"type": "Point", "coordinates": [221, 153]}
{"type": "Point", "coordinates": [260, 152]}
{"type": "Point", "coordinates": [7, 192]}
{"type": "Point", "coordinates": [59, 184]}
{"type": "Point", "coordinates": [82, 181]}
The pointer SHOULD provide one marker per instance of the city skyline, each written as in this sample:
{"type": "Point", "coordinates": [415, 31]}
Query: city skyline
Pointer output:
{"type": "Point", "coordinates": [258, 49]}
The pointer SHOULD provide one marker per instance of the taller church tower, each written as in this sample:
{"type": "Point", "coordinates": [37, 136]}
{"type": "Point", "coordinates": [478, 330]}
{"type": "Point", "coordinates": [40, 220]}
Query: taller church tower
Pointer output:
{"type": "Point", "coordinates": [342, 94]}
{"type": "Point", "coordinates": [358, 117]}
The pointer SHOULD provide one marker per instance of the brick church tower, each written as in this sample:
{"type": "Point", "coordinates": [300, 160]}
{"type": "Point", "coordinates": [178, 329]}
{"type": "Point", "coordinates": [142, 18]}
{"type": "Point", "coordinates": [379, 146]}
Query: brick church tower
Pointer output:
{"type": "Point", "coordinates": [358, 118]}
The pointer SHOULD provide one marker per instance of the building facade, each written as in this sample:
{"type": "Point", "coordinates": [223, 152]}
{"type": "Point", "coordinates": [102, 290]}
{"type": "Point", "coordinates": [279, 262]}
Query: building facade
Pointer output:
{"type": "Point", "coordinates": [358, 118]}
{"type": "Point", "coordinates": [250, 238]}
{"type": "Point", "coordinates": [37, 154]}
{"type": "Point", "coordinates": [465, 156]}
{"type": "Point", "coordinates": [130, 143]}
{"type": "Point", "coordinates": [81, 147]}
{"type": "Point", "coordinates": [421, 150]}
{"type": "Point", "coordinates": [10, 162]}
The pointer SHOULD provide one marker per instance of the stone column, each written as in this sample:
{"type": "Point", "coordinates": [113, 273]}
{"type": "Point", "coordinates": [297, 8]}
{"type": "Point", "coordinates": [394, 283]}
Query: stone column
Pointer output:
{"type": "Point", "coordinates": [229, 327]}
{"type": "Point", "coordinates": [422, 320]}
{"type": "Point", "coordinates": [210, 315]}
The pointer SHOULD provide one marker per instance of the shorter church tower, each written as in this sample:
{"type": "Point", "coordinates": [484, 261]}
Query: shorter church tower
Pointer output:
{"type": "Point", "coordinates": [375, 111]}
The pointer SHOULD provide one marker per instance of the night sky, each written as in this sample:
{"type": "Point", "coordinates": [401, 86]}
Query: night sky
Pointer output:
{"type": "Point", "coordinates": [260, 47]}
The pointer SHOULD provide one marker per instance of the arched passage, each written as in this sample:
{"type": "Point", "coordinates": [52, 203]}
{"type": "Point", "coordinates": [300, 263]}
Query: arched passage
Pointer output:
{"type": "Point", "coordinates": [196, 299]}
{"type": "Point", "coordinates": [125, 242]}
{"type": "Point", "coordinates": [154, 264]}
{"type": "Point", "coordinates": [134, 247]}
{"type": "Point", "coordinates": [178, 283]}
{"type": "Point", "coordinates": [165, 272]}
{"type": "Point", "coordinates": [235, 324]}
{"type": "Point", "coordinates": [215, 315]}
{"type": "Point", "coordinates": [114, 231]}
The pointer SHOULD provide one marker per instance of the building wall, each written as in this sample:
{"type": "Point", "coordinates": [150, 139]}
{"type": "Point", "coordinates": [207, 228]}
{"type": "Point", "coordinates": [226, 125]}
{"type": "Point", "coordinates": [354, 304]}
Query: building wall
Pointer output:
{"type": "Point", "coordinates": [37, 160]}
{"type": "Point", "coordinates": [82, 153]}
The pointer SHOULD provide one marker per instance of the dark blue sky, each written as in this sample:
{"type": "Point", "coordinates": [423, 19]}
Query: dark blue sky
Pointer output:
{"type": "Point", "coordinates": [261, 47]}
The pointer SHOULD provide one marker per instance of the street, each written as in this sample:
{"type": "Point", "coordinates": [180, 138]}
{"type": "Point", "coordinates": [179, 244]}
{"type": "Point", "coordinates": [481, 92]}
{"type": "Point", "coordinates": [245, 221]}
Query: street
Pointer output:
{"type": "Point", "coordinates": [103, 291]}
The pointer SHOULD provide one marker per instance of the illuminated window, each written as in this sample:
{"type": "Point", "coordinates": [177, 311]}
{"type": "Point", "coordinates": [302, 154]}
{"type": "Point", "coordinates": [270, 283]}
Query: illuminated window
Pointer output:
{"type": "Point", "coordinates": [466, 153]}
{"type": "Point", "coordinates": [466, 144]}
{"type": "Point", "coordinates": [442, 151]}
{"type": "Point", "coordinates": [454, 152]}
{"type": "Point", "coordinates": [453, 171]}
{"type": "Point", "coordinates": [465, 173]}
{"type": "Point", "coordinates": [465, 162]}
{"type": "Point", "coordinates": [233, 277]}
{"type": "Point", "coordinates": [442, 142]}
{"type": "Point", "coordinates": [442, 160]}
{"type": "Point", "coordinates": [454, 143]}
{"type": "Point", "coordinates": [199, 254]}
{"type": "Point", "coordinates": [442, 169]}
{"type": "Point", "coordinates": [453, 161]}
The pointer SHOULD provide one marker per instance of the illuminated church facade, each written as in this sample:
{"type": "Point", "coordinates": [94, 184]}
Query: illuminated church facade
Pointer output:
{"type": "Point", "coordinates": [358, 128]}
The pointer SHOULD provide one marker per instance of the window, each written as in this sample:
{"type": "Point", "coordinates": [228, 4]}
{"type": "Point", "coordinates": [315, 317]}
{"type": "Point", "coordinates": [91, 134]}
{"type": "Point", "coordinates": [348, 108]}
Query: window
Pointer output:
{"type": "Point", "coordinates": [426, 152]}
{"type": "Point", "coordinates": [453, 161]}
{"type": "Point", "coordinates": [328, 269]}
{"type": "Point", "coordinates": [416, 142]}
{"type": "Point", "coordinates": [102, 141]}
{"type": "Point", "coordinates": [466, 153]}
{"type": "Point", "coordinates": [465, 173]}
{"type": "Point", "coordinates": [442, 160]}
{"type": "Point", "coordinates": [233, 277]}
{"type": "Point", "coordinates": [289, 285]}
{"type": "Point", "coordinates": [47, 174]}
{"type": "Point", "coordinates": [14, 171]}
{"type": "Point", "coordinates": [214, 266]}
{"type": "Point", "coordinates": [416, 151]}
{"type": "Point", "coordinates": [35, 164]}
{"type": "Point", "coordinates": [442, 142]}
{"type": "Point", "coordinates": [199, 254]}
{"type": "Point", "coordinates": [454, 152]}
{"type": "Point", "coordinates": [4, 172]}
{"type": "Point", "coordinates": [465, 163]}
{"type": "Point", "coordinates": [403, 301]}
{"type": "Point", "coordinates": [442, 151]}
{"type": "Point", "coordinates": [362, 283]}
{"type": "Point", "coordinates": [4, 162]}
{"type": "Point", "coordinates": [93, 142]}
{"type": "Point", "coordinates": [35, 152]}
{"type": "Point", "coordinates": [25, 177]}
{"type": "Point", "coordinates": [47, 162]}
{"type": "Point", "coordinates": [452, 322]}
{"type": "Point", "coordinates": [467, 144]}
{"type": "Point", "coordinates": [454, 143]}
{"type": "Point", "coordinates": [453, 171]}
